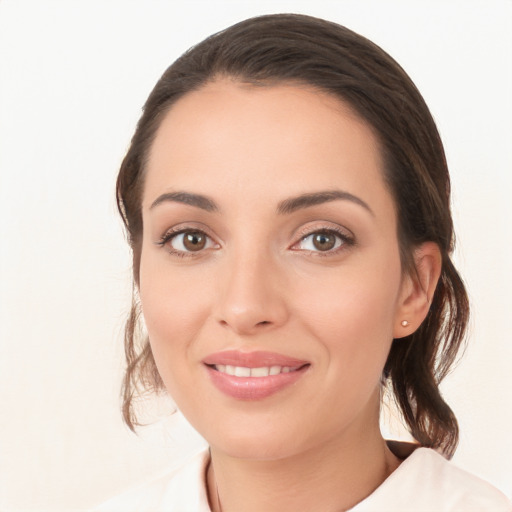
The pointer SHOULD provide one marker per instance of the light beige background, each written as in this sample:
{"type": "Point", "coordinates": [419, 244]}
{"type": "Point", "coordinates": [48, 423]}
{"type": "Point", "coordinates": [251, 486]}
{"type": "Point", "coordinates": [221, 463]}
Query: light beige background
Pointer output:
{"type": "Point", "coordinates": [73, 76]}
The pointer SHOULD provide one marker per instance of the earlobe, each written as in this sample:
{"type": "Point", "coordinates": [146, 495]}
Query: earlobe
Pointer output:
{"type": "Point", "coordinates": [418, 288]}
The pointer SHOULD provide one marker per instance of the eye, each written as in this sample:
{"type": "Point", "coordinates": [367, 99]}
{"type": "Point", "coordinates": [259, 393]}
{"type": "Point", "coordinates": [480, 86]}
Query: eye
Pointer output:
{"type": "Point", "coordinates": [186, 241]}
{"type": "Point", "coordinates": [323, 241]}
{"type": "Point", "coordinates": [189, 241]}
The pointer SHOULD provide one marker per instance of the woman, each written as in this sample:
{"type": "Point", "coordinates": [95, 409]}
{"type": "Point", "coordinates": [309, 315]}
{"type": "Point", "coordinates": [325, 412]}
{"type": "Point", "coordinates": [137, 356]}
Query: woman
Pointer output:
{"type": "Point", "coordinates": [286, 198]}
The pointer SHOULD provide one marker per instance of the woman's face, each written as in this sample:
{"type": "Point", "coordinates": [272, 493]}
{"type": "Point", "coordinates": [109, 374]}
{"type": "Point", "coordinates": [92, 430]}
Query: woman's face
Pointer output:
{"type": "Point", "coordinates": [269, 252]}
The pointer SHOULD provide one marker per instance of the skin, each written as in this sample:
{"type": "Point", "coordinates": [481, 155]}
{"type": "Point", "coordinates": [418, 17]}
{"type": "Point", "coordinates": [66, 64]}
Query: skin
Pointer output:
{"type": "Point", "coordinates": [260, 284]}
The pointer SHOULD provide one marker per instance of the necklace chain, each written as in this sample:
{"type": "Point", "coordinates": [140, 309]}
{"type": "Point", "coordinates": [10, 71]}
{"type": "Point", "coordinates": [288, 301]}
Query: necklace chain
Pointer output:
{"type": "Point", "coordinates": [219, 505]}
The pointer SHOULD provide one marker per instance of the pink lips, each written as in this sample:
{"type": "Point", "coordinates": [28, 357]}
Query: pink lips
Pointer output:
{"type": "Point", "coordinates": [246, 387]}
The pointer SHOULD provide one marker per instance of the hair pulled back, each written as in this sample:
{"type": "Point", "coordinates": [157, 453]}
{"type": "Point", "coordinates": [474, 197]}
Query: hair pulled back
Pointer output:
{"type": "Point", "coordinates": [290, 48]}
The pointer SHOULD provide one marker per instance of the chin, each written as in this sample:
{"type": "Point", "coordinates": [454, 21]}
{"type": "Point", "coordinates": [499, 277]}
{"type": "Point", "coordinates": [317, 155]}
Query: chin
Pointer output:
{"type": "Point", "coordinates": [264, 440]}
{"type": "Point", "coordinates": [256, 448]}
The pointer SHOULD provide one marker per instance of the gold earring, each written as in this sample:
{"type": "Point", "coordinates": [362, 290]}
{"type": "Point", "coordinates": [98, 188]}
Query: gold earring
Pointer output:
{"type": "Point", "coordinates": [405, 323]}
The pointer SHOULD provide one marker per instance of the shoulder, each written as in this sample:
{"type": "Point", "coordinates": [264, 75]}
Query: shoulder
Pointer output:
{"type": "Point", "coordinates": [178, 490]}
{"type": "Point", "coordinates": [427, 482]}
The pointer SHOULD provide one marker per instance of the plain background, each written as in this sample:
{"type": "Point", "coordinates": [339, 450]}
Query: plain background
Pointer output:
{"type": "Point", "coordinates": [73, 77]}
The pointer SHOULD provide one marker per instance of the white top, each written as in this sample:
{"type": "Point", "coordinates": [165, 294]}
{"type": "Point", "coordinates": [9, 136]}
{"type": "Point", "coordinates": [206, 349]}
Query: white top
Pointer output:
{"type": "Point", "coordinates": [424, 482]}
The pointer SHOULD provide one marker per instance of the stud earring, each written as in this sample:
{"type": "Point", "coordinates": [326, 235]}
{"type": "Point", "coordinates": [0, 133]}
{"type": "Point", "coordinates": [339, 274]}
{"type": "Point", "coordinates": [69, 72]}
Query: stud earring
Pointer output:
{"type": "Point", "coordinates": [405, 323]}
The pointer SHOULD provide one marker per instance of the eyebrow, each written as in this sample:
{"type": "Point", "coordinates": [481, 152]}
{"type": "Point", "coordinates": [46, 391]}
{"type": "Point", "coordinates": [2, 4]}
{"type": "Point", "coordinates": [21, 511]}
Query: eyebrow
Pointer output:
{"type": "Point", "coordinates": [197, 200]}
{"type": "Point", "coordinates": [284, 207]}
{"type": "Point", "coordinates": [314, 198]}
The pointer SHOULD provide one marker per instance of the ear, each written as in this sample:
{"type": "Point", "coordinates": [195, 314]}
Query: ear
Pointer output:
{"type": "Point", "coordinates": [417, 289]}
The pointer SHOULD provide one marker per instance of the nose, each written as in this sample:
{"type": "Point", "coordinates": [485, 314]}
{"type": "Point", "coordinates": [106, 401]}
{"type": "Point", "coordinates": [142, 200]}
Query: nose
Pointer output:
{"type": "Point", "coordinates": [252, 295]}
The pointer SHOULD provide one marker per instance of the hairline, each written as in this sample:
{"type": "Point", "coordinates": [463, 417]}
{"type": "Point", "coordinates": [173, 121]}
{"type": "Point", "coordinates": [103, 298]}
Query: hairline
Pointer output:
{"type": "Point", "coordinates": [406, 247]}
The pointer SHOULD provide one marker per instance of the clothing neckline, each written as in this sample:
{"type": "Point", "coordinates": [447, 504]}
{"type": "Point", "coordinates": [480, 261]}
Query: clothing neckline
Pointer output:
{"type": "Point", "coordinates": [401, 449]}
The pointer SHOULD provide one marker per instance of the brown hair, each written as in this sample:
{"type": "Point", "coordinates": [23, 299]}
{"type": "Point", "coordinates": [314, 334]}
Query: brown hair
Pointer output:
{"type": "Point", "coordinates": [290, 48]}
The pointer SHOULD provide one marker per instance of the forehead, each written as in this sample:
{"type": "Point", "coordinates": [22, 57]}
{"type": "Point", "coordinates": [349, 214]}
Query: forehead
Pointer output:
{"type": "Point", "coordinates": [273, 141]}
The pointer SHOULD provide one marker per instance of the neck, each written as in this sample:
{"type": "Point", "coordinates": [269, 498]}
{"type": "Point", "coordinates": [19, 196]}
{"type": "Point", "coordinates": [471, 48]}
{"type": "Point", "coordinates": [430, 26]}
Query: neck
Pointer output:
{"type": "Point", "coordinates": [332, 478]}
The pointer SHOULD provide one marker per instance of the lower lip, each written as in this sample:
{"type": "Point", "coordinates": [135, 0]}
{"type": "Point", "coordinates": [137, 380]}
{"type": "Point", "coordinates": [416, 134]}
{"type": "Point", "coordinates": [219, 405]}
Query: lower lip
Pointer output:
{"type": "Point", "coordinates": [253, 388]}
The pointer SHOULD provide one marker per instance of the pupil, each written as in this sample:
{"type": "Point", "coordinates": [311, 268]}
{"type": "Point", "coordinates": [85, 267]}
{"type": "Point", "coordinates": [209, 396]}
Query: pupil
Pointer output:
{"type": "Point", "coordinates": [194, 241]}
{"type": "Point", "coordinates": [323, 241]}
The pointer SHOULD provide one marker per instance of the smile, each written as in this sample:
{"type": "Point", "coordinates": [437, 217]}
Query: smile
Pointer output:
{"type": "Point", "coordinates": [253, 375]}
{"type": "Point", "coordinates": [244, 371]}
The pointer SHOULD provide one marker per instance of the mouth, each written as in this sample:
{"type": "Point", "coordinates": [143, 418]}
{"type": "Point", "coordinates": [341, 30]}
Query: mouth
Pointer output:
{"type": "Point", "coordinates": [262, 371]}
{"type": "Point", "coordinates": [253, 375]}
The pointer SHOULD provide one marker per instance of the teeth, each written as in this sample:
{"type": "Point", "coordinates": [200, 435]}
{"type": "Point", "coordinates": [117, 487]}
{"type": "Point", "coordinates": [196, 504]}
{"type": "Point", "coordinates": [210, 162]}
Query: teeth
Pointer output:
{"type": "Point", "coordinates": [243, 371]}
{"type": "Point", "coordinates": [274, 370]}
{"type": "Point", "coordinates": [260, 372]}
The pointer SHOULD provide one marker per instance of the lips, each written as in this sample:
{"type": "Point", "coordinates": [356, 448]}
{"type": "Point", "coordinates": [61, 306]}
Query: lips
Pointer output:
{"type": "Point", "coordinates": [253, 375]}
{"type": "Point", "coordinates": [261, 371]}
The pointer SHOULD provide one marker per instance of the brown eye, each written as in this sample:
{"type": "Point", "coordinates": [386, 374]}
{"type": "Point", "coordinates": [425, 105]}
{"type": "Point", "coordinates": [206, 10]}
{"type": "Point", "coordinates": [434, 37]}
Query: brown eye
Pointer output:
{"type": "Point", "coordinates": [324, 241]}
{"type": "Point", "coordinates": [187, 242]}
{"type": "Point", "coordinates": [194, 241]}
{"type": "Point", "coordinates": [327, 241]}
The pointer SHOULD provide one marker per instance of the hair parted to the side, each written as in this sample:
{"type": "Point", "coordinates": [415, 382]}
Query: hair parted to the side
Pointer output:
{"type": "Point", "coordinates": [290, 48]}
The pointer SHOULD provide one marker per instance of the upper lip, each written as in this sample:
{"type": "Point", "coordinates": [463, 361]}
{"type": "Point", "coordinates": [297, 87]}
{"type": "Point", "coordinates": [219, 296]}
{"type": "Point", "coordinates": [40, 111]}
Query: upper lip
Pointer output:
{"type": "Point", "coordinates": [256, 359]}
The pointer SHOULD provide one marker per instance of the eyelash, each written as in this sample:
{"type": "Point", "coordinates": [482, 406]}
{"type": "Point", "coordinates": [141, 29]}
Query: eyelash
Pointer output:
{"type": "Point", "coordinates": [171, 234]}
{"type": "Point", "coordinates": [347, 241]}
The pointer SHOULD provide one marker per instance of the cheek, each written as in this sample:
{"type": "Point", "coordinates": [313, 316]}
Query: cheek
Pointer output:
{"type": "Point", "coordinates": [352, 313]}
{"type": "Point", "coordinates": [351, 319]}
{"type": "Point", "coordinates": [174, 310]}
